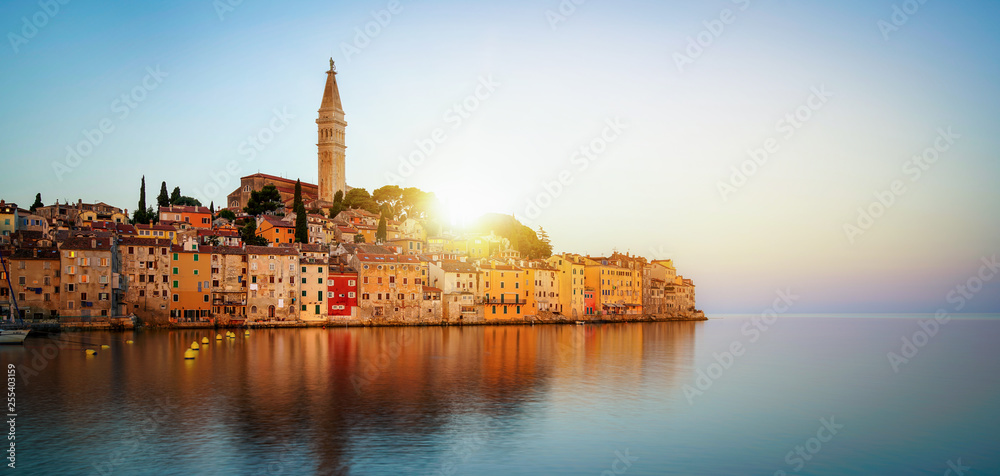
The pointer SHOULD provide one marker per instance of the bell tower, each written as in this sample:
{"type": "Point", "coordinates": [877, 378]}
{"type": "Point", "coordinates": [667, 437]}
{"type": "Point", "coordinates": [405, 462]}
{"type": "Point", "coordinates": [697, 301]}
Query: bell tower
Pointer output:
{"type": "Point", "coordinates": [331, 144]}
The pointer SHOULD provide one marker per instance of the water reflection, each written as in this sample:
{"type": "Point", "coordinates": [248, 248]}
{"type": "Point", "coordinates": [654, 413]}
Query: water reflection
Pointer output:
{"type": "Point", "coordinates": [326, 401]}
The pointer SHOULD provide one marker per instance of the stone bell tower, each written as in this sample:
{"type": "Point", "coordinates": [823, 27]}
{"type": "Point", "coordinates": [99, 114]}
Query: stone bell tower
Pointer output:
{"type": "Point", "coordinates": [332, 146]}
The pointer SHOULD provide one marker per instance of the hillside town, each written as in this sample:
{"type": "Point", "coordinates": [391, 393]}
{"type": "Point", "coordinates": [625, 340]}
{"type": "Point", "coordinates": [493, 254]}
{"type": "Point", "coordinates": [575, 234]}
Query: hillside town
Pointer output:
{"type": "Point", "coordinates": [285, 251]}
{"type": "Point", "coordinates": [85, 261]}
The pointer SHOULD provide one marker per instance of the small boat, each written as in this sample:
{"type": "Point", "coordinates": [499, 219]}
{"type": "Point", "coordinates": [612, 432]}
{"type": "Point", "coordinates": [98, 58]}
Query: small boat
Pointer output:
{"type": "Point", "coordinates": [12, 332]}
{"type": "Point", "coordinates": [13, 335]}
{"type": "Point", "coordinates": [580, 323]}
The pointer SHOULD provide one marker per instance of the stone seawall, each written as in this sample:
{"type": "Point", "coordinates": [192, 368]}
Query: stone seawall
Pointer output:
{"type": "Point", "coordinates": [527, 320]}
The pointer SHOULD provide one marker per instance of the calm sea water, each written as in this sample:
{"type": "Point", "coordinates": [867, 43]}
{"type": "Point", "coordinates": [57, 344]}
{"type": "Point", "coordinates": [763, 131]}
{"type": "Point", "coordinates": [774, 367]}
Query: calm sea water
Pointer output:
{"type": "Point", "coordinates": [633, 399]}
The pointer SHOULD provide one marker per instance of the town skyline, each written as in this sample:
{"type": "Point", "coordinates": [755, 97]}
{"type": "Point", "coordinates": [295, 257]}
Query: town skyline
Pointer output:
{"type": "Point", "coordinates": [683, 128]}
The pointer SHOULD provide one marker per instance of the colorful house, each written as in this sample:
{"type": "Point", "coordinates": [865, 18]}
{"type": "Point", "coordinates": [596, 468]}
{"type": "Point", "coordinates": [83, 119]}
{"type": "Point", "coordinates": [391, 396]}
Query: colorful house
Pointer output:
{"type": "Point", "coordinates": [504, 294]}
{"type": "Point", "coordinates": [157, 232]}
{"type": "Point", "coordinates": [197, 217]}
{"type": "Point", "coordinates": [190, 274]}
{"type": "Point", "coordinates": [342, 289]}
{"type": "Point", "coordinates": [275, 230]}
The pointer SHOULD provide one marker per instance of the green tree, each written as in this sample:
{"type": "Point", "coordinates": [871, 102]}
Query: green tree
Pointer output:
{"type": "Point", "coordinates": [265, 200]}
{"type": "Point", "coordinates": [338, 204]}
{"type": "Point", "coordinates": [163, 200]}
{"type": "Point", "coordinates": [141, 215]}
{"type": "Point", "coordinates": [211, 209]}
{"type": "Point", "coordinates": [359, 198]}
{"type": "Point", "coordinates": [175, 195]}
{"type": "Point", "coordinates": [227, 214]}
{"type": "Point", "coordinates": [187, 201]}
{"type": "Point", "coordinates": [543, 237]}
{"type": "Point", "coordinates": [389, 199]}
{"type": "Point", "coordinates": [359, 238]}
{"type": "Point", "coordinates": [521, 237]}
{"type": "Point", "coordinates": [249, 234]}
{"type": "Point", "coordinates": [37, 204]}
{"type": "Point", "coordinates": [380, 234]}
{"type": "Point", "coordinates": [301, 219]}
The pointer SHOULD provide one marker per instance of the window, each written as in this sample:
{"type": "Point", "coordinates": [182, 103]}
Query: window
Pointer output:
{"type": "Point", "coordinates": [304, 281]}
{"type": "Point", "coordinates": [303, 295]}
{"type": "Point", "coordinates": [196, 272]}
{"type": "Point", "coordinates": [317, 309]}
{"type": "Point", "coordinates": [320, 280]}
{"type": "Point", "coordinates": [176, 283]}
{"type": "Point", "coordinates": [351, 295]}
{"type": "Point", "coordinates": [319, 295]}
{"type": "Point", "coordinates": [176, 297]}
{"type": "Point", "coordinates": [176, 270]}
{"type": "Point", "coordinates": [353, 282]}
{"type": "Point", "coordinates": [365, 296]}
{"type": "Point", "coordinates": [21, 281]}
{"type": "Point", "coordinates": [205, 297]}
{"type": "Point", "coordinates": [84, 278]}
{"type": "Point", "coordinates": [303, 307]}
{"type": "Point", "coordinates": [175, 256]}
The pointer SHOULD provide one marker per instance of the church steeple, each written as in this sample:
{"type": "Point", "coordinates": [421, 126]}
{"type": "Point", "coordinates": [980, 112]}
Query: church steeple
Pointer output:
{"type": "Point", "coordinates": [331, 95]}
{"type": "Point", "coordinates": [332, 145]}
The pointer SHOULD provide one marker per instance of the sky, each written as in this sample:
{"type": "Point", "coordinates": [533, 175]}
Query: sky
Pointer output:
{"type": "Point", "coordinates": [841, 152]}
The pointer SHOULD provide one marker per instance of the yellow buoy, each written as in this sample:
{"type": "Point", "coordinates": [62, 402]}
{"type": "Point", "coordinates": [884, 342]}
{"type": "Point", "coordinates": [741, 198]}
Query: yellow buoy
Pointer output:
{"type": "Point", "coordinates": [91, 352]}
{"type": "Point", "coordinates": [194, 345]}
{"type": "Point", "coordinates": [105, 346]}
{"type": "Point", "coordinates": [129, 341]}
{"type": "Point", "coordinates": [204, 340]}
{"type": "Point", "coordinates": [218, 336]}
{"type": "Point", "coordinates": [247, 333]}
{"type": "Point", "coordinates": [189, 354]}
